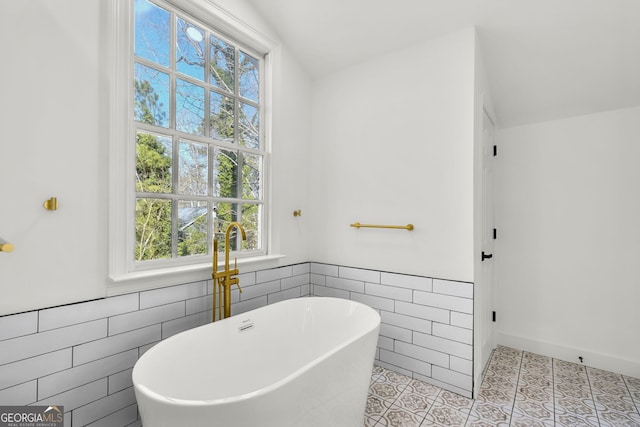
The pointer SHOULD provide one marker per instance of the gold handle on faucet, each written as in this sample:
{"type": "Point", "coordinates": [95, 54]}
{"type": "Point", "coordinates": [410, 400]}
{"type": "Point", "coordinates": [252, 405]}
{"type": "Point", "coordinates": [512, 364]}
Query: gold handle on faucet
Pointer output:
{"type": "Point", "coordinates": [237, 280]}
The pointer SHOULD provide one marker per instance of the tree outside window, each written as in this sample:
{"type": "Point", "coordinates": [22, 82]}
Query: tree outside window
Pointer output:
{"type": "Point", "coordinates": [198, 140]}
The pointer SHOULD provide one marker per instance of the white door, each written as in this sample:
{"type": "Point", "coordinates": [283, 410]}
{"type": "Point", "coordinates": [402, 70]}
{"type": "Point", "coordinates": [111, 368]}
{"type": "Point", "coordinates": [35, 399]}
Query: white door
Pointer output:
{"type": "Point", "coordinates": [488, 256]}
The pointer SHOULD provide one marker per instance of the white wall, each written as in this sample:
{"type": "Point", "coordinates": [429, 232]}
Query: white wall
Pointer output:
{"type": "Point", "coordinates": [54, 143]}
{"type": "Point", "coordinates": [53, 115]}
{"type": "Point", "coordinates": [568, 209]}
{"type": "Point", "coordinates": [290, 161]}
{"type": "Point", "coordinates": [393, 144]}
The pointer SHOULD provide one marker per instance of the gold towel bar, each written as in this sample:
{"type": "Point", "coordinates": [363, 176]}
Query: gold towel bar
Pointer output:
{"type": "Point", "coordinates": [401, 227]}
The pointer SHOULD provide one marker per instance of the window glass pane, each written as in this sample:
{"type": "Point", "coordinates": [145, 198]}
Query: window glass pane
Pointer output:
{"type": "Point", "coordinates": [153, 229]}
{"type": "Point", "coordinates": [251, 225]}
{"type": "Point", "coordinates": [249, 73]}
{"type": "Point", "coordinates": [225, 165]}
{"type": "Point", "coordinates": [251, 173]}
{"type": "Point", "coordinates": [151, 32]}
{"type": "Point", "coordinates": [153, 163]}
{"type": "Point", "coordinates": [222, 65]}
{"type": "Point", "coordinates": [192, 227]}
{"type": "Point", "coordinates": [249, 124]}
{"type": "Point", "coordinates": [189, 108]}
{"type": "Point", "coordinates": [151, 96]}
{"type": "Point", "coordinates": [221, 117]}
{"type": "Point", "coordinates": [224, 214]}
{"type": "Point", "coordinates": [193, 168]}
{"type": "Point", "coordinates": [189, 49]}
{"type": "Point", "coordinates": [195, 97]}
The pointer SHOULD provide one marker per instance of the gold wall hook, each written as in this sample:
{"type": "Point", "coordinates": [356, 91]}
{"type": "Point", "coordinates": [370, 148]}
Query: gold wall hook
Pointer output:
{"type": "Point", "coordinates": [51, 204]}
{"type": "Point", "coordinates": [297, 213]}
{"type": "Point", "coordinates": [6, 247]}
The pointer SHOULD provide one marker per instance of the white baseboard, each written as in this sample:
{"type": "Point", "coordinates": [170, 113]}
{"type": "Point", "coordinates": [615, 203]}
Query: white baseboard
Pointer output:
{"type": "Point", "coordinates": [602, 361]}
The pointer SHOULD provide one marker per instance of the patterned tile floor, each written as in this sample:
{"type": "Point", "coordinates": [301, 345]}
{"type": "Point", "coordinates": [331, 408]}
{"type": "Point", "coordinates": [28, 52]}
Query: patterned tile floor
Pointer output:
{"type": "Point", "coordinates": [519, 389]}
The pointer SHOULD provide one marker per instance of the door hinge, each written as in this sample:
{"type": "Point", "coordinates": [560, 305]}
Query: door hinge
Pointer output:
{"type": "Point", "coordinates": [495, 234]}
{"type": "Point", "coordinates": [493, 316]}
{"type": "Point", "coordinates": [495, 150]}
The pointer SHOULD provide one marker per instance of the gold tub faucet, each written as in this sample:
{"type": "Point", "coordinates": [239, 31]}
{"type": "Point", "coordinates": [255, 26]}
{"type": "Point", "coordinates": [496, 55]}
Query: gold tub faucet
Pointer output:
{"type": "Point", "coordinates": [223, 280]}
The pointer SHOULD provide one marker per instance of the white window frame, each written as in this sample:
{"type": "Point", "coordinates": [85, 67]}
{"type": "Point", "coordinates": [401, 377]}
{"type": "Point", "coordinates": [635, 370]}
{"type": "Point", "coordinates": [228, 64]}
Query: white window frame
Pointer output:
{"type": "Point", "coordinates": [124, 274]}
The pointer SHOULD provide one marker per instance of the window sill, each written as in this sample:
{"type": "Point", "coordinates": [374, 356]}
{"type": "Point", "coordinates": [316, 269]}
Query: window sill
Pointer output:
{"type": "Point", "coordinates": [158, 278]}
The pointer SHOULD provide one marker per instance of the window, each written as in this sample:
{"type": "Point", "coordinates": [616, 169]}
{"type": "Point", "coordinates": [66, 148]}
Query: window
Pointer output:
{"type": "Point", "coordinates": [198, 132]}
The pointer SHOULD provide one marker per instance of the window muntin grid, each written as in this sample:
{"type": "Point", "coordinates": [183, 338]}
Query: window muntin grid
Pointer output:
{"type": "Point", "coordinates": [199, 139]}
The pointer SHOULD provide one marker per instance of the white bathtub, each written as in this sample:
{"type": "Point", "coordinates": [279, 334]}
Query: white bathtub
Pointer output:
{"type": "Point", "coordinates": [302, 363]}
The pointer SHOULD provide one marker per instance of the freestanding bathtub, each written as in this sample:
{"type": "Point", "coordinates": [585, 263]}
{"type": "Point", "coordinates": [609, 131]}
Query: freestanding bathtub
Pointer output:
{"type": "Point", "coordinates": [304, 362]}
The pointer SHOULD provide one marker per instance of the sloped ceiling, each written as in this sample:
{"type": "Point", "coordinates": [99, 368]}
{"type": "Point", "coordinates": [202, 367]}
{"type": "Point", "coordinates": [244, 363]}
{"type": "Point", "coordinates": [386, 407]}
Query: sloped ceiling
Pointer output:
{"type": "Point", "coordinates": [545, 59]}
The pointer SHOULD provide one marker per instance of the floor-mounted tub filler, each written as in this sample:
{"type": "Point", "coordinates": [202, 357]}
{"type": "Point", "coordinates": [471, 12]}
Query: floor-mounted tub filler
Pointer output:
{"type": "Point", "coordinates": [302, 362]}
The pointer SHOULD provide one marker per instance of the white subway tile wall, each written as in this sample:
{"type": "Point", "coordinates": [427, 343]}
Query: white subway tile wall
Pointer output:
{"type": "Point", "coordinates": [18, 325]}
{"type": "Point", "coordinates": [81, 355]}
{"type": "Point", "coordinates": [426, 329]}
